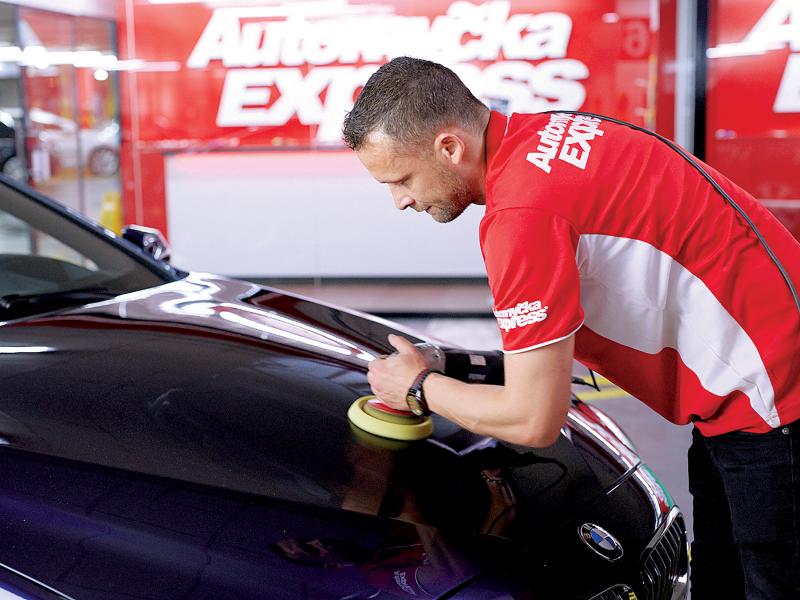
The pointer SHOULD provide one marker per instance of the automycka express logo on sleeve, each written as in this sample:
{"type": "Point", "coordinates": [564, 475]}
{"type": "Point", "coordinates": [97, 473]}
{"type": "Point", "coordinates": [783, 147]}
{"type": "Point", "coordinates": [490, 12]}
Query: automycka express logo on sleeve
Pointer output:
{"type": "Point", "coordinates": [309, 59]}
{"type": "Point", "coordinates": [521, 315]}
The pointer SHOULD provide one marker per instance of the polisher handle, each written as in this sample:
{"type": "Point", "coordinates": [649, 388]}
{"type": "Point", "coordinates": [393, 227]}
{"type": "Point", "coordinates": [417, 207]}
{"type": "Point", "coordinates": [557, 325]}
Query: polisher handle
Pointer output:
{"type": "Point", "coordinates": [472, 366]}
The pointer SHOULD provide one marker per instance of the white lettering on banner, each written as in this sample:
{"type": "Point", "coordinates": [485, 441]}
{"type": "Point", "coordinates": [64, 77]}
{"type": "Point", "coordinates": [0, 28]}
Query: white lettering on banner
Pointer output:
{"type": "Point", "coordinates": [246, 89]}
{"type": "Point", "coordinates": [777, 28]}
{"type": "Point", "coordinates": [246, 97]}
{"type": "Point", "coordinates": [233, 36]}
{"type": "Point", "coordinates": [521, 315]}
{"type": "Point", "coordinates": [244, 39]}
{"type": "Point", "coordinates": [788, 98]}
{"type": "Point", "coordinates": [579, 129]}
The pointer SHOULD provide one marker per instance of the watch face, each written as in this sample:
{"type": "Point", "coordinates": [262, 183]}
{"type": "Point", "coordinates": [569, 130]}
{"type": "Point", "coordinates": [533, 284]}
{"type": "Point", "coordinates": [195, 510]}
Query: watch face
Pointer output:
{"type": "Point", "coordinates": [414, 405]}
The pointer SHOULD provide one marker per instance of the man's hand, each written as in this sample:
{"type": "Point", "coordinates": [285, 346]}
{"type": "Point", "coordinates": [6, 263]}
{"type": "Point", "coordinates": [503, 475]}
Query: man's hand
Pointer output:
{"type": "Point", "coordinates": [391, 376]}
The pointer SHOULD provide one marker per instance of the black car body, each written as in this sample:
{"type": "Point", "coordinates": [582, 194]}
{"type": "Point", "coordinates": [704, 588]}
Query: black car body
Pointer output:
{"type": "Point", "coordinates": [175, 435]}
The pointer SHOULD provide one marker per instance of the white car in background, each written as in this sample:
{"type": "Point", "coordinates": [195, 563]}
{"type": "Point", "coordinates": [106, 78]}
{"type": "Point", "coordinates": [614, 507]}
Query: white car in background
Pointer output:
{"type": "Point", "coordinates": [99, 147]}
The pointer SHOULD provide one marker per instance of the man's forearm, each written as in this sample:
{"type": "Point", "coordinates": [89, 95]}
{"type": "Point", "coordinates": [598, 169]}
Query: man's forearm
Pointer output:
{"type": "Point", "coordinates": [529, 409]}
{"type": "Point", "coordinates": [531, 419]}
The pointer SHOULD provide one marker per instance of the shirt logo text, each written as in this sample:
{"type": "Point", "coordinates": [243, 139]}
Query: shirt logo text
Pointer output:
{"type": "Point", "coordinates": [579, 130]}
{"type": "Point", "coordinates": [521, 315]}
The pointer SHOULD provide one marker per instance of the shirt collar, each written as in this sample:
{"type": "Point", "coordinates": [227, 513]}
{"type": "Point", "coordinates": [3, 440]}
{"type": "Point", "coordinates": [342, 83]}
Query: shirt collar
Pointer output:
{"type": "Point", "coordinates": [495, 131]}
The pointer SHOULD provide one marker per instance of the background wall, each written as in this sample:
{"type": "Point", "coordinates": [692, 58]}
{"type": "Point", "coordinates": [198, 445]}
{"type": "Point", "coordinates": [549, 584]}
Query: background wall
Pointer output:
{"type": "Point", "coordinates": [301, 214]}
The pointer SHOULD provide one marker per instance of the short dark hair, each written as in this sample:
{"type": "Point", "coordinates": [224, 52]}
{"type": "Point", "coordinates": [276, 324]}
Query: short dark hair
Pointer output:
{"type": "Point", "coordinates": [409, 99]}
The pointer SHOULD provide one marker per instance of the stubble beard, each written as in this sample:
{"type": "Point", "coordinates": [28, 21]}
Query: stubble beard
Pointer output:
{"type": "Point", "coordinates": [458, 197]}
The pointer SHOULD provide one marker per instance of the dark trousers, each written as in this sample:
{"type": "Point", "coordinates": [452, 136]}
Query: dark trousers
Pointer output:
{"type": "Point", "coordinates": [746, 490]}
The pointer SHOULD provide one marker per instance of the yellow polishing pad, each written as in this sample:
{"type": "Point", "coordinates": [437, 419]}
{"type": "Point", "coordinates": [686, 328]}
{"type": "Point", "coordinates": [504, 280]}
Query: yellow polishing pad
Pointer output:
{"type": "Point", "coordinates": [413, 429]}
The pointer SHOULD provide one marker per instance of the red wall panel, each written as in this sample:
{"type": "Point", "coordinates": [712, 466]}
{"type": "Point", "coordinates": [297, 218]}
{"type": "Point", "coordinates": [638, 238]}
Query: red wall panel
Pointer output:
{"type": "Point", "coordinates": [753, 121]}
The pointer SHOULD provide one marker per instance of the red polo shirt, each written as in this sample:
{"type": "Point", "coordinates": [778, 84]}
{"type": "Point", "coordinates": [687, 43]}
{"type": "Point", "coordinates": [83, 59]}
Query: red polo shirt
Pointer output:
{"type": "Point", "coordinates": [595, 229]}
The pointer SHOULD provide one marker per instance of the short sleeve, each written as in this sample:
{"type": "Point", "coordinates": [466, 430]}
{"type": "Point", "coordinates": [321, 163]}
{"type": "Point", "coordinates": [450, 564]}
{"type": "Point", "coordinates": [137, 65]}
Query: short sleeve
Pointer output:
{"type": "Point", "coordinates": [533, 275]}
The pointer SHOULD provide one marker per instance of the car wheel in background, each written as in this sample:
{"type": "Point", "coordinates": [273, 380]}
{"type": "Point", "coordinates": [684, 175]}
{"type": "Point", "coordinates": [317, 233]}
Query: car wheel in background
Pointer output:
{"type": "Point", "coordinates": [13, 167]}
{"type": "Point", "coordinates": [104, 161]}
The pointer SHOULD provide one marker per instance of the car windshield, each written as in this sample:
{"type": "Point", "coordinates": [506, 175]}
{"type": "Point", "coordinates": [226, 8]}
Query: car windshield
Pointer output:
{"type": "Point", "coordinates": [46, 257]}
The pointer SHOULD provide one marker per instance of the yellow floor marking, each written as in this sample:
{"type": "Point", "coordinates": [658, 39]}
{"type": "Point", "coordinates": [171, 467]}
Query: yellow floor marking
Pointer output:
{"type": "Point", "coordinates": [594, 395]}
{"type": "Point", "coordinates": [607, 390]}
{"type": "Point", "coordinates": [600, 379]}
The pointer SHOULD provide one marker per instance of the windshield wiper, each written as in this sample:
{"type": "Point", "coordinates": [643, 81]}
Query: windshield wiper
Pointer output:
{"type": "Point", "coordinates": [22, 304]}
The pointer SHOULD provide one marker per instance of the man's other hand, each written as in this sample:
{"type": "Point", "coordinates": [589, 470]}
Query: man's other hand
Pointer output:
{"type": "Point", "coordinates": [390, 377]}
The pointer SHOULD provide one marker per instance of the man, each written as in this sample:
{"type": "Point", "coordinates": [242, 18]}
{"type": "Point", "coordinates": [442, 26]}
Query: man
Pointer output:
{"type": "Point", "coordinates": [603, 242]}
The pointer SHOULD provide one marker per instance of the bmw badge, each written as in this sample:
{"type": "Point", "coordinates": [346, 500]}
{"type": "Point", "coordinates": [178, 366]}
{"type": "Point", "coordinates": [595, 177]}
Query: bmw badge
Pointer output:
{"type": "Point", "coordinates": [600, 541]}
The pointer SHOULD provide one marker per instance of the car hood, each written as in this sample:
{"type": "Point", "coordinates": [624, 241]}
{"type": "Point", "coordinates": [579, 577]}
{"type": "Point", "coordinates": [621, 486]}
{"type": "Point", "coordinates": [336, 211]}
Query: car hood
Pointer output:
{"type": "Point", "coordinates": [233, 385]}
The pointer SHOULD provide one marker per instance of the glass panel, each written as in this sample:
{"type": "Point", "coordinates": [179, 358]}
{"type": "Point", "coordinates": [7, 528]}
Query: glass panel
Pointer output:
{"type": "Point", "coordinates": [98, 108]}
{"type": "Point", "coordinates": [72, 107]}
{"type": "Point", "coordinates": [753, 131]}
{"type": "Point", "coordinates": [49, 86]}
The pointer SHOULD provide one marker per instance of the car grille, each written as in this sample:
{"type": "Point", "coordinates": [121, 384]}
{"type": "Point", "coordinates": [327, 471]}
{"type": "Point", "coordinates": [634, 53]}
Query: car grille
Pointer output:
{"type": "Point", "coordinates": [664, 566]}
{"type": "Point", "coordinates": [665, 560]}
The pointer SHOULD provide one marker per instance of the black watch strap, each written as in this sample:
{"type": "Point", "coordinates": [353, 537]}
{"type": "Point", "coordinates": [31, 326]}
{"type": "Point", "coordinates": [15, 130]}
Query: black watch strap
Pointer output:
{"type": "Point", "coordinates": [416, 395]}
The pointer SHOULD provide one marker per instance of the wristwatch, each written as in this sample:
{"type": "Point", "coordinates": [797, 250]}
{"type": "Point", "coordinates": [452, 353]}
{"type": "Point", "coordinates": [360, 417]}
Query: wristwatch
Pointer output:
{"type": "Point", "coordinates": [416, 396]}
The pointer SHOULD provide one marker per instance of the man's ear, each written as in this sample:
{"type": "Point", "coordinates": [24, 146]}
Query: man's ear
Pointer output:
{"type": "Point", "coordinates": [450, 148]}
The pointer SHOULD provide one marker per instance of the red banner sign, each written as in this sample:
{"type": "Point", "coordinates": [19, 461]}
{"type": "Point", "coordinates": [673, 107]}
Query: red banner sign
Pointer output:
{"type": "Point", "coordinates": [287, 73]}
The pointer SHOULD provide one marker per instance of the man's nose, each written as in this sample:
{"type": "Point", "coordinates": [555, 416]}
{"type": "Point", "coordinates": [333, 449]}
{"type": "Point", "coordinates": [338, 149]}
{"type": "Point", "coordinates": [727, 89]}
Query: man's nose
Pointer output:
{"type": "Point", "coordinates": [402, 200]}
